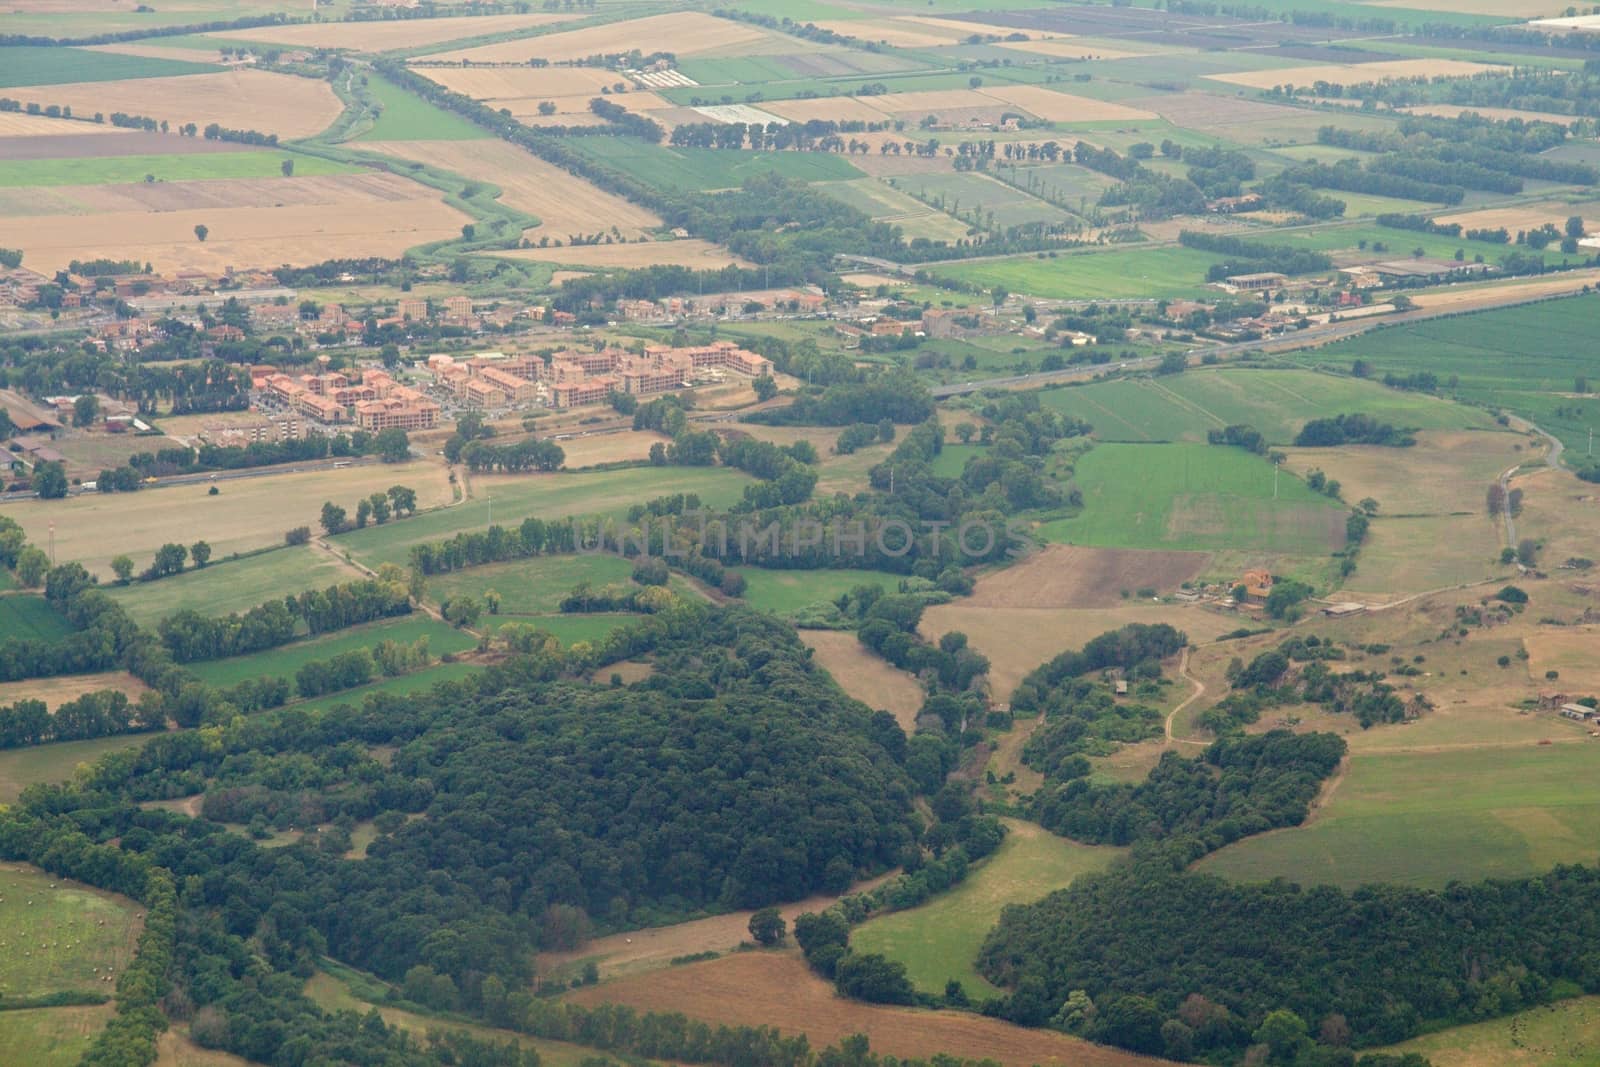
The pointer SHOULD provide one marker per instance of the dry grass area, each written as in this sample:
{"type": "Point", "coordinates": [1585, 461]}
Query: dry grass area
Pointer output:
{"type": "Point", "coordinates": [174, 1049]}
{"type": "Point", "coordinates": [565, 204]}
{"type": "Point", "coordinates": [1564, 514]}
{"type": "Point", "coordinates": [248, 513]}
{"type": "Point", "coordinates": [901, 32]}
{"type": "Point", "coordinates": [836, 108]}
{"type": "Point", "coordinates": [1063, 107]}
{"type": "Point", "coordinates": [262, 222]}
{"type": "Point", "coordinates": [1017, 640]}
{"type": "Point", "coordinates": [1522, 217]}
{"type": "Point", "coordinates": [1569, 651]}
{"type": "Point", "coordinates": [240, 99]}
{"type": "Point", "coordinates": [512, 83]}
{"type": "Point", "coordinates": [1499, 114]}
{"type": "Point", "coordinates": [609, 447]}
{"type": "Point", "coordinates": [15, 125]}
{"type": "Point", "coordinates": [683, 33]}
{"type": "Point", "coordinates": [1355, 74]}
{"type": "Point", "coordinates": [1071, 576]}
{"type": "Point", "coordinates": [387, 35]}
{"type": "Point", "coordinates": [62, 688]}
{"type": "Point", "coordinates": [779, 990]}
{"type": "Point", "coordinates": [866, 677]}
{"type": "Point", "coordinates": [1493, 294]}
{"type": "Point", "coordinates": [156, 51]}
{"type": "Point", "coordinates": [652, 949]}
{"type": "Point", "coordinates": [1444, 472]}
{"type": "Point", "coordinates": [691, 252]}
{"type": "Point", "coordinates": [1067, 48]}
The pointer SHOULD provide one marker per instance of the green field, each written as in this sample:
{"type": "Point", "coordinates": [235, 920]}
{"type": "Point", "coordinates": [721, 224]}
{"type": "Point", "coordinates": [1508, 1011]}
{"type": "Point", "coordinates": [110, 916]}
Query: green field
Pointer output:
{"type": "Point", "coordinates": [1123, 273]}
{"type": "Point", "coordinates": [31, 618]}
{"type": "Point", "coordinates": [546, 496]}
{"type": "Point", "coordinates": [939, 940]}
{"type": "Point", "coordinates": [1183, 407]}
{"type": "Point", "coordinates": [406, 117]}
{"type": "Point", "coordinates": [579, 626]}
{"type": "Point", "coordinates": [1200, 497]}
{"type": "Point", "coordinates": [22, 767]}
{"type": "Point", "coordinates": [283, 662]}
{"type": "Point", "coordinates": [1522, 359]}
{"type": "Point", "coordinates": [111, 170]}
{"type": "Point", "coordinates": [50, 938]}
{"type": "Point", "coordinates": [998, 205]}
{"type": "Point", "coordinates": [51, 1037]}
{"type": "Point", "coordinates": [531, 586]}
{"type": "Point", "coordinates": [1063, 181]}
{"type": "Point", "coordinates": [1429, 818]}
{"type": "Point", "coordinates": [404, 684]}
{"type": "Point", "coordinates": [232, 585]}
{"type": "Point", "coordinates": [1563, 1034]}
{"type": "Point", "coordinates": [27, 65]}
{"type": "Point", "coordinates": [702, 169]}
{"type": "Point", "coordinates": [881, 203]}
{"type": "Point", "coordinates": [1400, 244]}
{"type": "Point", "coordinates": [787, 591]}
{"type": "Point", "coordinates": [952, 459]}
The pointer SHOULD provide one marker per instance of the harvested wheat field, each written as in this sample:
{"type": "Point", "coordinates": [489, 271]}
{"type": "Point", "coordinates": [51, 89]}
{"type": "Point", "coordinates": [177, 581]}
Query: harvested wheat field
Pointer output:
{"type": "Point", "coordinates": [836, 108]}
{"type": "Point", "coordinates": [1063, 107]}
{"type": "Point", "coordinates": [898, 33]}
{"type": "Point", "coordinates": [575, 109]}
{"type": "Point", "coordinates": [1499, 114]}
{"type": "Point", "coordinates": [15, 125]}
{"type": "Point", "coordinates": [1017, 640]}
{"type": "Point", "coordinates": [239, 99]}
{"type": "Point", "coordinates": [1356, 74]}
{"type": "Point", "coordinates": [1071, 576]}
{"type": "Point", "coordinates": [518, 83]}
{"type": "Point", "coordinates": [868, 678]}
{"type": "Point", "coordinates": [248, 513]}
{"type": "Point", "coordinates": [157, 51]}
{"type": "Point", "coordinates": [1512, 219]}
{"type": "Point", "coordinates": [1495, 293]}
{"type": "Point", "coordinates": [565, 204]}
{"type": "Point", "coordinates": [252, 222]}
{"type": "Point", "coordinates": [683, 33]}
{"type": "Point", "coordinates": [779, 990]}
{"type": "Point", "coordinates": [1512, 9]}
{"type": "Point", "coordinates": [383, 36]}
{"type": "Point", "coordinates": [700, 255]}
{"type": "Point", "coordinates": [62, 688]}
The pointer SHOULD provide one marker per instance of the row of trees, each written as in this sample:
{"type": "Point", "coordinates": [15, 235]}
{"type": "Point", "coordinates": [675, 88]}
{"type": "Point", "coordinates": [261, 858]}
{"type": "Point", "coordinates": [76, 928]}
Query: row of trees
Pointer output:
{"type": "Point", "coordinates": [399, 501]}
{"type": "Point", "coordinates": [191, 637]}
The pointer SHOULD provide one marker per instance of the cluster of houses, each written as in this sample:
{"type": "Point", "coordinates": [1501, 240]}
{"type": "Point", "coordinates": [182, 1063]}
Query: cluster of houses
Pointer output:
{"type": "Point", "coordinates": [715, 305]}
{"type": "Point", "coordinates": [377, 402]}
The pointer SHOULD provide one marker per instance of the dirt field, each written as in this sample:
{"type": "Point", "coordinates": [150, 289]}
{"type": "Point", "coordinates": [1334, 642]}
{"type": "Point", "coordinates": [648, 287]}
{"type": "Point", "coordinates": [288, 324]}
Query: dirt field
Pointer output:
{"type": "Point", "coordinates": [1526, 217]}
{"type": "Point", "coordinates": [1071, 576]}
{"type": "Point", "coordinates": [1338, 74]}
{"type": "Point", "coordinates": [648, 950]}
{"type": "Point", "coordinates": [1017, 640]}
{"type": "Point", "coordinates": [248, 513]}
{"type": "Point", "coordinates": [866, 677]}
{"type": "Point", "coordinates": [837, 108]}
{"type": "Point", "coordinates": [1450, 111]}
{"type": "Point", "coordinates": [252, 222]}
{"type": "Point", "coordinates": [15, 125]}
{"type": "Point", "coordinates": [240, 99]}
{"type": "Point", "coordinates": [1480, 296]}
{"type": "Point", "coordinates": [57, 691]}
{"type": "Point", "coordinates": [701, 255]}
{"type": "Point", "coordinates": [1062, 107]}
{"type": "Point", "coordinates": [779, 990]}
{"type": "Point", "coordinates": [565, 204]}
{"type": "Point", "coordinates": [384, 36]}
{"type": "Point", "coordinates": [683, 33]}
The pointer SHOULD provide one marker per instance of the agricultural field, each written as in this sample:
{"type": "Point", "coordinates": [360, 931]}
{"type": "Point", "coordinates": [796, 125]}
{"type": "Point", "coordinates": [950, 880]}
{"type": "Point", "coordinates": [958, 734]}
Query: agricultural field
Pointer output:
{"type": "Point", "coordinates": [389, 36]}
{"type": "Point", "coordinates": [248, 514]}
{"type": "Point", "coordinates": [1185, 407]}
{"type": "Point", "coordinates": [865, 676]}
{"type": "Point", "coordinates": [785, 592]}
{"type": "Point", "coordinates": [1487, 355]}
{"type": "Point", "coordinates": [54, 763]}
{"type": "Point", "coordinates": [59, 689]}
{"type": "Point", "coordinates": [52, 1037]}
{"type": "Point", "coordinates": [938, 941]}
{"type": "Point", "coordinates": [60, 936]}
{"type": "Point", "coordinates": [284, 661]}
{"type": "Point", "coordinates": [1404, 818]}
{"type": "Point", "coordinates": [233, 585]}
{"type": "Point", "coordinates": [883, 203]}
{"type": "Point", "coordinates": [1562, 1034]}
{"type": "Point", "coordinates": [531, 586]}
{"type": "Point", "coordinates": [1196, 497]}
{"type": "Point", "coordinates": [680, 252]}
{"type": "Point", "coordinates": [509, 499]}
{"type": "Point", "coordinates": [980, 199]}
{"type": "Point", "coordinates": [708, 168]}
{"type": "Point", "coordinates": [405, 117]}
{"type": "Point", "coordinates": [23, 65]}
{"type": "Point", "coordinates": [1352, 74]}
{"type": "Point", "coordinates": [122, 170]}
{"type": "Point", "coordinates": [1099, 275]}
{"type": "Point", "coordinates": [30, 618]}
{"type": "Point", "coordinates": [684, 33]}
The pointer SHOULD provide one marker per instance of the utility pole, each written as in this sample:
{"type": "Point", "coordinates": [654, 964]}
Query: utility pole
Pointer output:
{"type": "Point", "coordinates": [1275, 481]}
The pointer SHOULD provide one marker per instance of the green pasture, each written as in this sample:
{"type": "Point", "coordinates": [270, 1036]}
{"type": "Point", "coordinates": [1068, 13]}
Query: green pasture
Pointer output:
{"type": "Point", "coordinates": [842, 85]}
{"type": "Point", "coordinates": [572, 628]}
{"type": "Point", "coordinates": [51, 1037]}
{"type": "Point", "coordinates": [546, 496]}
{"type": "Point", "coordinates": [531, 586]}
{"type": "Point", "coordinates": [1525, 360]}
{"type": "Point", "coordinates": [407, 117]}
{"type": "Point", "coordinates": [114, 170]}
{"type": "Point", "coordinates": [1066, 182]}
{"type": "Point", "coordinates": [882, 203]}
{"type": "Point", "coordinates": [952, 459]}
{"type": "Point", "coordinates": [1184, 407]}
{"type": "Point", "coordinates": [709, 168]}
{"type": "Point", "coordinates": [1199, 497]}
{"type": "Point", "coordinates": [1400, 244]}
{"type": "Point", "coordinates": [939, 941]}
{"type": "Point", "coordinates": [1563, 1034]}
{"type": "Point", "coordinates": [31, 618]}
{"type": "Point", "coordinates": [415, 682]}
{"type": "Point", "coordinates": [49, 764]}
{"type": "Point", "coordinates": [285, 660]}
{"type": "Point", "coordinates": [997, 204]}
{"type": "Point", "coordinates": [785, 592]}
{"type": "Point", "coordinates": [51, 939]}
{"type": "Point", "coordinates": [1429, 818]}
{"type": "Point", "coordinates": [232, 585]}
{"type": "Point", "coordinates": [22, 65]}
{"type": "Point", "coordinates": [1121, 273]}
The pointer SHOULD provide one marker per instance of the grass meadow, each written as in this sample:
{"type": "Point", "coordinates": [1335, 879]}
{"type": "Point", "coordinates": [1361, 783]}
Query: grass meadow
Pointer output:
{"type": "Point", "coordinates": [407, 117]}
{"type": "Point", "coordinates": [284, 661]}
{"type": "Point", "coordinates": [513, 498]}
{"type": "Point", "coordinates": [531, 586]}
{"type": "Point", "coordinates": [401, 686]}
{"type": "Point", "coordinates": [784, 592]}
{"type": "Point", "coordinates": [111, 170]}
{"type": "Point", "coordinates": [1491, 359]}
{"type": "Point", "coordinates": [232, 585]}
{"type": "Point", "coordinates": [963, 193]}
{"type": "Point", "coordinates": [709, 168]}
{"type": "Point", "coordinates": [570, 629]}
{"type": "Point", "coordinates": [57, 936]}
{"type": "Point", "coordinates": [1563, 1034]}
{"type": "Point", "coordinates": [1200, 497]}
{"type": "Point", "coordinates": [22, 65]}
{"type": "Point", "coordinates": [1184, 407]}
{"type": "Point", "coordinates": [939, 940]}
{"type": "Point", "coordinates": [1410, 818]}
{"type": "Point", "coordinates": [51, 1037]}
{"type": "Point", "coordinates": [31, 618]}
{"type": "Point", "coordinates": [22, 767]}
{"type": "Point", "coordinates": [1115, 274]}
